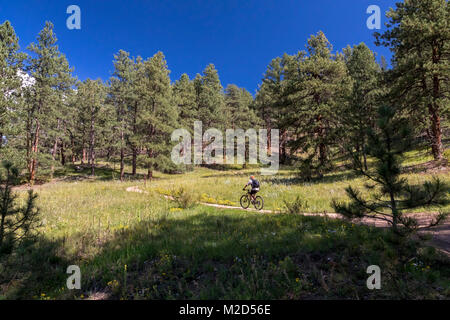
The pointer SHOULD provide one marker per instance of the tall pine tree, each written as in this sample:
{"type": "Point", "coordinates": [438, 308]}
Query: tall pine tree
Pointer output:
{"type": "Point", "coordinates": [360, 112]}
{"type": "Point", "coordinates": [419, 36]}
{"type": "Point", "coordinates": [316, 96]}
{"type": "Point", "coordinates": [93, 114]}
{"type": "Point", "coordinates": [52, 76]}
{"type": "Point", "coordinates": [10, 94]}
{"type": "Point", "coordinates": [158, 116]}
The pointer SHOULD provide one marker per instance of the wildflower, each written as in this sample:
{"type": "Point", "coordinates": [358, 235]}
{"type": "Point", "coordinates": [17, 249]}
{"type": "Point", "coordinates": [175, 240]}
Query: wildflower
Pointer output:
{"type": "Point", "coordinates": [113, 283]}
{"type": "Point", "coordinates": [297, 280]}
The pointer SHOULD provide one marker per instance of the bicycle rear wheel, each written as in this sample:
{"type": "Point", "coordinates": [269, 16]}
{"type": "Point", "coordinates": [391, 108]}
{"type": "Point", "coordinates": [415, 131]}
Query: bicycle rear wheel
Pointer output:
{"type": "Point", "coordinates": [259, 203]}
{"type": "Point", "coordinates": [245, 201]}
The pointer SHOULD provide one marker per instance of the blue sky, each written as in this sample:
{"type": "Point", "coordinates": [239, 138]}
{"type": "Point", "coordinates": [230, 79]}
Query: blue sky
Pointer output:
{"type": "Point", "coordinates": [239, 37]}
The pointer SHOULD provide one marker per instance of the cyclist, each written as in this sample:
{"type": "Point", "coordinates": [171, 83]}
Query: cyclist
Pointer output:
{"type": "Point", "coordinates": [255, 187]}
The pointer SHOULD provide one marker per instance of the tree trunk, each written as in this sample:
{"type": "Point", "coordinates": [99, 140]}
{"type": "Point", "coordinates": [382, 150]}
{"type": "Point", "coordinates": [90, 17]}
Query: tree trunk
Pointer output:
{"type": "Point", "coordinates": [322, 146]}
{"type": "Point", "coordinates": [436, 134]}
{"type": "Point", "coordinates": [72, 143]}
{"type": "Point", "coordinates": [2, 227]}
{"type": "Point", "coordinates": [269, 137]}
{"type": "Point", "coordinates": [91, 147]}
{"type": "Point", "coordinates": [149, 171]}
{"type": "Point", "coordinates": [395, 213]}
{"type": "Point", "coordinates": [34, 151]}
{"type": "Point", "coordinates": [83, 155]}
{"type": "Point", "coordinates": [122, 156]}
{"type": "Point", "coordinates": [55, 147]}
{"type": "Point", "coordinates": [283, 146]}
{"type": "Point", "coordinates": [322, 154]}
{"type": "Point", "coordinates": [3, 213]}
{"type": "Point", "coordinates": [28, 143]}
{"type": "Point", "coordinates": [93, 162]}
{"type": "Point", "coordinates": [436, 131]}
{"type": "Point", "coordinates": [52, 167]}
{"type": "Point", "coordinates": [365, 160]}
{"type": "Point", "coordinates": [133, 161]}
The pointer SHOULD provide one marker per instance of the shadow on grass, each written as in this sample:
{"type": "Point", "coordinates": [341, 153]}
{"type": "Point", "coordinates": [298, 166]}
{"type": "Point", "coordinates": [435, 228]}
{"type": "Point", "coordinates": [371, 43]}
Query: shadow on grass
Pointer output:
{"type": "Point", "coordinates": [102, 173]}
{"type": "Point", "coordinates": [207, 255]}
{"type": "Point", "coordinates": [238, 173]}
{"type": "Point", "coordinates": [32, 271]}
{"type": "Point", "coordinates": [430, 166]}
{"type": "Point", "coordinates": [329, 178]}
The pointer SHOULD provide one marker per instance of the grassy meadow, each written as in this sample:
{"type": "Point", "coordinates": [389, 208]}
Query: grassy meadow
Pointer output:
{"type": "Point", "coordinates": [133, 245]}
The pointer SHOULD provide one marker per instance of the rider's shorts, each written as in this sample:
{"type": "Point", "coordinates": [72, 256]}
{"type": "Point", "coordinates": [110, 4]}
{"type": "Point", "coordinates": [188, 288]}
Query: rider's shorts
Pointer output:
{"type": "Point", "coordinates": [254, 190]}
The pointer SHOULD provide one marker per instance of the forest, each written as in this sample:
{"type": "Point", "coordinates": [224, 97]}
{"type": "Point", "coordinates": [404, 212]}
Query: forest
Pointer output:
{"type": "Point", "coordinates": [321, 100]}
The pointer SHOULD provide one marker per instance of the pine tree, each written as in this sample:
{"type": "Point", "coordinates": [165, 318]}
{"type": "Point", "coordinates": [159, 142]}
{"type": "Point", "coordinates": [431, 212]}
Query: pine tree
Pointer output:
{"type": "Point", "coordinates": [93, 115]}
{"type": "Point", "coordinates": [240, 115]}
{"type": "Point", "coordinates": [392, 195]}
{"type": "Point", "coordinates": [135, 106]}
{"type": "Point", "coordinates": [210, 99]}
{"type": "Point", "coordinates": [17, 223]}
{"type": "Point", "coordinates": [185, 98]}
{"type": "Point", "coordinates": [269, 103]}
{"type": "Point", "coordinates": [237, 106]}
{"type": "Point", "coordinates": [52, 76]}
{"type": "Point", "coordinates": [10, 94]}
{"type": "Point", "coordinates": [158, 116]}
{"type": "Point", "coordinates": [419, 36]}
{"type": "Point", "coordinates": [121, 96]}
{"type": "Point", "coordinates": [315, 96]}
{"type": "Point", "coordinates": [361, 110]}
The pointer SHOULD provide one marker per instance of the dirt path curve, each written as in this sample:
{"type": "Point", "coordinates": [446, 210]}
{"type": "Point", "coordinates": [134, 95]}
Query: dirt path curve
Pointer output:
{"type": "Point", "coordinates": [440, 235]}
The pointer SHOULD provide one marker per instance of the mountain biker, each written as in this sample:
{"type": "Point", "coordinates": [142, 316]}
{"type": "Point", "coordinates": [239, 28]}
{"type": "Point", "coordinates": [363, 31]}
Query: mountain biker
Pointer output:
{"type": "Point", "coordinates": [255, 187]}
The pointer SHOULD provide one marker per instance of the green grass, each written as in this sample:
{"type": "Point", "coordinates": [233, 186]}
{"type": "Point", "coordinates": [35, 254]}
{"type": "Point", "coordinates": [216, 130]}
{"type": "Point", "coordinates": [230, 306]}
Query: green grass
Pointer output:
{"type": "Point", "coordinates": [140, 245]}
{"type": "Point", "coordinates": [225, 187]}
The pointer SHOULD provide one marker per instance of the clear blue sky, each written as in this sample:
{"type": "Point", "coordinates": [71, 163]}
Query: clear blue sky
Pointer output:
{"type": "Point", "coordinates": [239, 37]}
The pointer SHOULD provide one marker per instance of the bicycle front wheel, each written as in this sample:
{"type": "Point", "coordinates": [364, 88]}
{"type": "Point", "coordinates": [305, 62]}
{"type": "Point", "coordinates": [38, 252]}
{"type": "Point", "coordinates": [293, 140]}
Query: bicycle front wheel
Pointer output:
{"type": "Point", "coordinates": [245, 201]}
{"type": "Point", "coordinates": [259, 203]}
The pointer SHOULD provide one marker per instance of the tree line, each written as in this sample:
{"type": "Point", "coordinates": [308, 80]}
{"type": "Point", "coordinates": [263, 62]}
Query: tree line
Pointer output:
{"type": "Point", "coordinates": [322, 101]}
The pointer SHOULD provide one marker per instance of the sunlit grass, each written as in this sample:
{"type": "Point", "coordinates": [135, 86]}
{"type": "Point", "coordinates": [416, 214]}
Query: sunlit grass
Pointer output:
{"type": "Point", "coordinates": [226, 186]}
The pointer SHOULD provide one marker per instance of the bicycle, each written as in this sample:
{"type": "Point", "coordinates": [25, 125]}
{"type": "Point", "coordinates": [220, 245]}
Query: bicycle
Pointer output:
{"type": "Point", "coordinates": [246, 199]}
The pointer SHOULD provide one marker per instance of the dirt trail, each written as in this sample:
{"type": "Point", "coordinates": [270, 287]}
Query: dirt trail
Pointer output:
{"type": "Point", "coordinates": [440, 235]}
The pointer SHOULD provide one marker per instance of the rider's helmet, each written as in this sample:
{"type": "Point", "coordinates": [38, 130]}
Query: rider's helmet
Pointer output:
{"type": "Point", "coordinates": [252, 177]}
